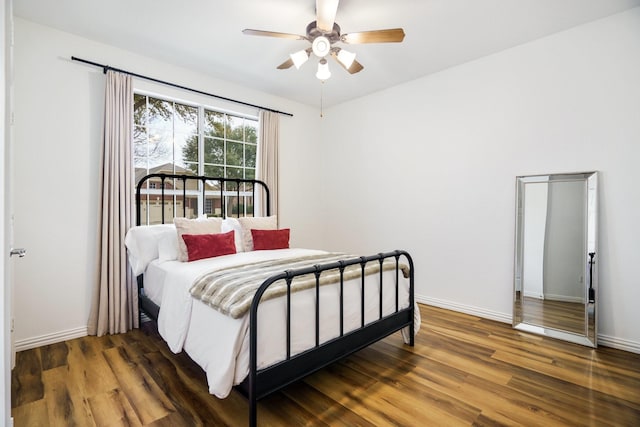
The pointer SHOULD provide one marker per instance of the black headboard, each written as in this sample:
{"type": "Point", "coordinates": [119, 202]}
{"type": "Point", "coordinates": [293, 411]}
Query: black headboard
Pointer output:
{"type": "Point", "coordinates": [252, 186]}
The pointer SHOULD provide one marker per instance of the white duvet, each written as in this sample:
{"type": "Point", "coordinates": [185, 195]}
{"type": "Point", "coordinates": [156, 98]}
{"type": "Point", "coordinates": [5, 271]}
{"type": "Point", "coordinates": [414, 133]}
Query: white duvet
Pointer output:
{"type": "Point", "coordinates": [220, 344]}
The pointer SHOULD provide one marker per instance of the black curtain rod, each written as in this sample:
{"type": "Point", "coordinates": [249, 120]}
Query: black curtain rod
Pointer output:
{"type": "Point", "coordinates": [106, 68]}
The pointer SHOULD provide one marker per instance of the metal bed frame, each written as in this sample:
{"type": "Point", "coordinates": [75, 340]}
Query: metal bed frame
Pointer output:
{"type": "Point", "coordinates": [262, 382]}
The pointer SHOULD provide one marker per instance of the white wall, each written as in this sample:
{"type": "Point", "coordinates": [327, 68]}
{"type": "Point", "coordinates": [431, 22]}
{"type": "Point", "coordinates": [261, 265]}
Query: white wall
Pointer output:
{"type": "Point", "coordinates": [58, 120]}
{"type": "Point", "coordinates": [431, 166]}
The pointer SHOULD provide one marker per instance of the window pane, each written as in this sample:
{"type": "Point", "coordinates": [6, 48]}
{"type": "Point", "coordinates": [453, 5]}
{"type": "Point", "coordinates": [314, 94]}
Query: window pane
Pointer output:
{"type": "Point", "coordinates": [139, 110]}
{"type": "Point", "coordinates": [190, 149]}
{"type": "Point", "coordinates": [140, 142]}
{"type": "Point", "coordinates": [250, 173]}
{"type": "Point", "coordinates": [234, 173]}
{"type": "Point", "coordinates": [214, 123]}
{"type": "Point", "coordinates": [161, 151]}
{"type": "Point", "coordinates": [186, 133]}
{"type": "Point", "coordinates": [235, 155]}
{"type": "Point", "coordinates": [160, 115]}
{"type": "Point", "coordinates": [250, 152]}
{"type": "Point", "coordinates": [214, 171]}
{"type": "Point", "coordinates": [235, 129]}
{"type": "Point", "coordinates": [140, 137]}
{"type": "Point", "coordinates": [192, 208]}
{"type": "Point", "coordinates": [214, 151]}
{"type": "Point", "coordinates": [251, 131]}
{"type": "Point", "coordinates": [213, 206]}
{"type": "Point", "coordinates": [230, 186]}
{"type": "Point", "coordinates": [213, 185]}
{"type": "Point", "coordinates": [248, 202]}
{"type": "Point", "coordinates": [193, 167]}
{"type": "Point", "coordinates": [232, 206]}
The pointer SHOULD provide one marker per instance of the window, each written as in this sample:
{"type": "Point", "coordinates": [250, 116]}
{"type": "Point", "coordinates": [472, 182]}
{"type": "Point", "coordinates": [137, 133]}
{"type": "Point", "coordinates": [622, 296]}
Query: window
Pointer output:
{"type": "Point", "coordinates": [176, 137]}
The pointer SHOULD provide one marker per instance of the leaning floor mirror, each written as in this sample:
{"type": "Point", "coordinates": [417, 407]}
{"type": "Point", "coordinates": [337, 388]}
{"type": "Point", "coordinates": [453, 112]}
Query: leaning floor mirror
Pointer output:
{"type": "Point", "coordinates": [555, 274]}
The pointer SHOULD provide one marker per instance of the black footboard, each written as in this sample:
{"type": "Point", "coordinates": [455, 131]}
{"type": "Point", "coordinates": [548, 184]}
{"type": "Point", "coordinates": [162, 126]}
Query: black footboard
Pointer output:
{"type": "Point", "coordinates": [261, 383]}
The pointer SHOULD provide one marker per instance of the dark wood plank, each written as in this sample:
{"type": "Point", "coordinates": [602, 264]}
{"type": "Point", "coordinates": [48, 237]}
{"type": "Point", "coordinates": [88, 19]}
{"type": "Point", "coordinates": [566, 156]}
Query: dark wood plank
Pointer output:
{"type": "Point", "coordinates": [321, 408]}
{"type": "Point", "coordinates": [54, 355]}
{"type": "Point", "coordinates": [148, 400]}
{"type": "Point", "coordinates": [185, 395]}
{"type": "Point", "coordinates": [88, 369]}
{"type": "Point", "coordinates": [31, 414]}
{"type": "Point", "coordinates": [26, 378]}
{"type": "Point", "coordinates": [113, 408]}
{"type": "Point", "coordinates": [66, 406]}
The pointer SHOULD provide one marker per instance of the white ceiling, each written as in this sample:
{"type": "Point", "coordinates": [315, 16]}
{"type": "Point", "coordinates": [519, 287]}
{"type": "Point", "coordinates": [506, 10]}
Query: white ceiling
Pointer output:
{"type": "Point", "coordinates": [205, 35]}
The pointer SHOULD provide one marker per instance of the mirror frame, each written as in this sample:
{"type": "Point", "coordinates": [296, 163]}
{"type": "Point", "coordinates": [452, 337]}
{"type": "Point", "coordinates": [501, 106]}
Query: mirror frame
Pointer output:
{"type": "Point", "coordinates": [590, 333]}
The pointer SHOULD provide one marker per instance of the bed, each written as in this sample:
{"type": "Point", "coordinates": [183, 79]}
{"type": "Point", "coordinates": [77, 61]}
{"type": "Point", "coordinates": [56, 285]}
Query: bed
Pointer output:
{"type": "Point", "coordinates": [259, 315]}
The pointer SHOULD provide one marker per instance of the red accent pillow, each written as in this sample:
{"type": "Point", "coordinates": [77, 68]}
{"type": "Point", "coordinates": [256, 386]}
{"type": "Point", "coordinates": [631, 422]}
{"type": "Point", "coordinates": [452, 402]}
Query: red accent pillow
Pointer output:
{"type": "Point", "coordinates": [270, 239]}
{"type": "Point", "coordinates": [201, 246]}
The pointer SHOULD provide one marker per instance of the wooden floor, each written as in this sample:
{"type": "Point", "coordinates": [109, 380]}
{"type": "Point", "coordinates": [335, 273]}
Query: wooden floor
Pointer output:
{"type": "Point", "coordinates": [463, 370]}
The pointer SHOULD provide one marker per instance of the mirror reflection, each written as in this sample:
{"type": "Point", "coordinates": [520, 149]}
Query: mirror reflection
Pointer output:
{"type": "Point", "coordinates": [555, 277]}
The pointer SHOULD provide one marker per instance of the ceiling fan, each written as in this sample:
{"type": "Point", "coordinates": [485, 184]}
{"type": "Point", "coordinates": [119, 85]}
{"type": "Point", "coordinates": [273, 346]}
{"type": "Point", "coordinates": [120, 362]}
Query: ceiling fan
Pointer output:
{"type": "Point", "coordinates": [323, 34]}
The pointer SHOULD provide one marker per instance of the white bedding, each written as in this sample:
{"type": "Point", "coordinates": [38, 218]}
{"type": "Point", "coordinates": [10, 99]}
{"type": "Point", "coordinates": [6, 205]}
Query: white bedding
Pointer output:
{"type": "Point", "coordinates": [220, 344]}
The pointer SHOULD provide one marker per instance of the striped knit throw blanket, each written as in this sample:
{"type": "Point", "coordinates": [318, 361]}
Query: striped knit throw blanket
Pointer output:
{"type": "Point", "coordinates": [231, 290]}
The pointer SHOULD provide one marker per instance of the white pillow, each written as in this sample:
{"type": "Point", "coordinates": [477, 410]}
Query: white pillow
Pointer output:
{"type": "Point", "coordinates": [194, 226]}
{"type": "Point", "coordinates": [168, 247]}
{"type": "Point", "coordinates": [142, 244]}
{"type": "Point", "coordinates": [232, 224]}
{"type": "Point", "coordinates": [255, 223]}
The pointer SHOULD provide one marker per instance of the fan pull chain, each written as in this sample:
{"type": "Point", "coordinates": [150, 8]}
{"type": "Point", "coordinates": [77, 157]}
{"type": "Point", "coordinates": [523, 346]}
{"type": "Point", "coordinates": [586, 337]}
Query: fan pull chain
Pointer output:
{"type": "Point", "coordinates": [321, 97]}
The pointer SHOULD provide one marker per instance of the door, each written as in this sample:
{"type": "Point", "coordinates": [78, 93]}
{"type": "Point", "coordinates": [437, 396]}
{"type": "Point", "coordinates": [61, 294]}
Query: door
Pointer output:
{"type": "Point", "coordinates": [6, 355]}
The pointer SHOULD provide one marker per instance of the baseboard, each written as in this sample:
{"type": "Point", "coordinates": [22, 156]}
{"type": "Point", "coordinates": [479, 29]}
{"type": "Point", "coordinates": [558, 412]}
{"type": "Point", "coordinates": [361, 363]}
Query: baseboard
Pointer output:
{"type": "Point", "coordinates": [54, 338]}
{"type": "Point", "coordinates": [467, 309]}
{"type": "Point", "coordinates": [603, 340]}
{"type": "Point", "coordinates": [564, 298]}
{"type": "Point", "coordinates": [535, 295]}
{"type": "Point", "coordinates": [618, 343]}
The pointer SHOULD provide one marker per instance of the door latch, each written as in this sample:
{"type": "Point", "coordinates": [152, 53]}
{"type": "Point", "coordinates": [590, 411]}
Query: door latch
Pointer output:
{"type": "Point", "coordinates": [21, 252]}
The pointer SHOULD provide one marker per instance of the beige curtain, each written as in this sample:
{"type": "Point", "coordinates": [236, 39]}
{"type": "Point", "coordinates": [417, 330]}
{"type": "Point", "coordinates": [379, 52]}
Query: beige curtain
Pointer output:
{"type": "Point", "coordinates": [269, 140]}
{"type": "Point", "coordinates": [115, 298]}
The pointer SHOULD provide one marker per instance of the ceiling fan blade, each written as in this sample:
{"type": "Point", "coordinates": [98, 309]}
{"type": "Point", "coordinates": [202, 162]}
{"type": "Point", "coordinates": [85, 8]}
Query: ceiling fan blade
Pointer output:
{"type": "Point", "coordinates": [355, 66]}
{"type": "Point", "coordinates": [250, 32]}
{"type": "Point", "coordinates": [286, 64]}
{"type": "Point", "coordinates": [393, 35]}
{"type": "Point", "coordinates": [326, 14]}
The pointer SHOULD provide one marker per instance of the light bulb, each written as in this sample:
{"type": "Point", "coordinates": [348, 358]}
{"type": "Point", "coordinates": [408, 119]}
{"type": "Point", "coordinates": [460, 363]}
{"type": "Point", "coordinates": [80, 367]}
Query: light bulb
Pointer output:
{"type": "Point", "coordinates": [323, 70]}
{"type": "Point", "coordinates": [346, 58]}
{"type": "Point", "coordinates": [299, 58]}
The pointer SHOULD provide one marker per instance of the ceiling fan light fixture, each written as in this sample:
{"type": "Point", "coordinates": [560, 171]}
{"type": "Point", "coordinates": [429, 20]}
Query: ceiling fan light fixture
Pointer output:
{"type": "Point", "coordinates": [323, 70]}
{"type": "Point", "coordinates": [299, 58]}
{"type": "Point", "coordinates": [346, 58]}
{"type": "Point", "coordinates": [322, 34]}
{"type": "Point", "coordinates": [321, 46]}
